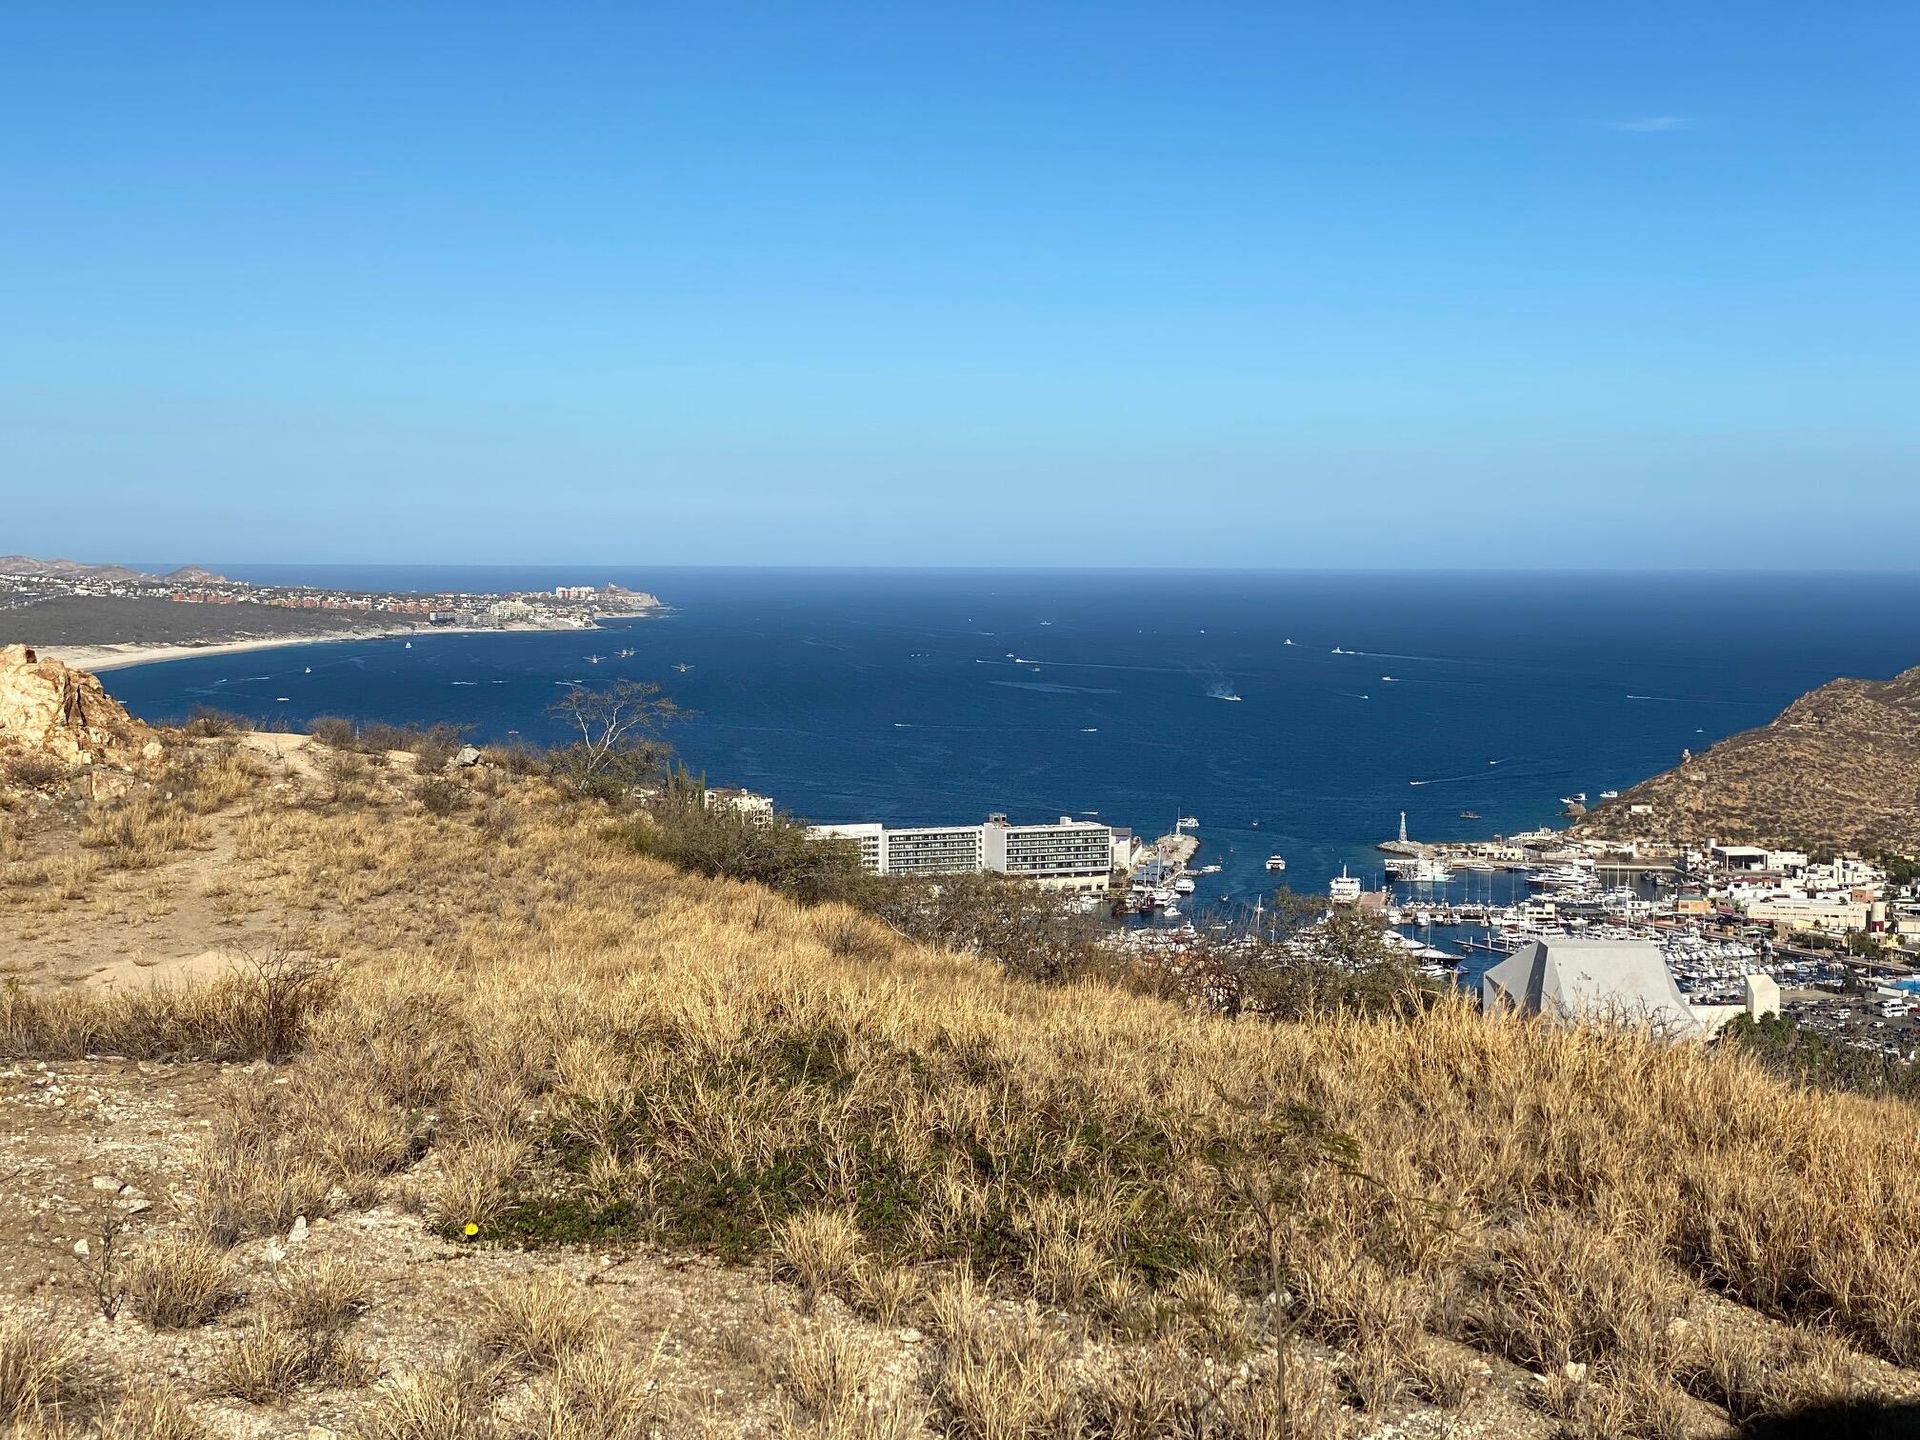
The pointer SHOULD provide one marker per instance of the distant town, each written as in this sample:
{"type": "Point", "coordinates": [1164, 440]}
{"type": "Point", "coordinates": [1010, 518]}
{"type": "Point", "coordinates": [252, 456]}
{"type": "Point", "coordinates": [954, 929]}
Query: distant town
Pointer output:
{"type": "Point", "coordinates": [24, 581]}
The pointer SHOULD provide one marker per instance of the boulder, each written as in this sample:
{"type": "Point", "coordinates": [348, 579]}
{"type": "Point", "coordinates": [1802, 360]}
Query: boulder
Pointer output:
{"type": "Point", "coordinates": [49, 709]}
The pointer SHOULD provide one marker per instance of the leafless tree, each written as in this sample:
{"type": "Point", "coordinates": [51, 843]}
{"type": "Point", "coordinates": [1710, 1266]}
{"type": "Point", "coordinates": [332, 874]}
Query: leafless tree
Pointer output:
{"type": "Point", "coordinates": [619, 728]}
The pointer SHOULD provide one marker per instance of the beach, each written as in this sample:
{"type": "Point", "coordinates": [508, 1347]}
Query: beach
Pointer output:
{"type": "Point", "coordinates": [118, 657]}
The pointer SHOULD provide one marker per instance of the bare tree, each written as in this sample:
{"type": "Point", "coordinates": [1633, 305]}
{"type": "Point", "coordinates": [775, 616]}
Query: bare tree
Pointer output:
{"type": "Point", "coordinates": [619, 725]}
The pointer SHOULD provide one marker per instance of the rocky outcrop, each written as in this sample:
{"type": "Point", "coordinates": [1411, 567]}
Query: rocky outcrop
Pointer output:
{"type": "Point", "coordinates": [50, 710]}
{"type": "Point", "coordinates": [1840, 767]}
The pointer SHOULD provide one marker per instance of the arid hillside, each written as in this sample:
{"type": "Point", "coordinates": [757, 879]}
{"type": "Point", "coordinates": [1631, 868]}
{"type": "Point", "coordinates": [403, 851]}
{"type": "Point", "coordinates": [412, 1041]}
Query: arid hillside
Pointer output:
{"type": "Point", "coordinates": [442, 1112]}
{"type": "Point", "coordinates": [1839, 767]}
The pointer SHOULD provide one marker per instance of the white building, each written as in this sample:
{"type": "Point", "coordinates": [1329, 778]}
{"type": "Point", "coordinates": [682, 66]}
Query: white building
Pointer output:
{"type": "Point", "coordinates": [933, 850]}
{"type": "Point", "coordinates": [1073, 854]}
{"type": "Point", "coordinates": [758, 807]}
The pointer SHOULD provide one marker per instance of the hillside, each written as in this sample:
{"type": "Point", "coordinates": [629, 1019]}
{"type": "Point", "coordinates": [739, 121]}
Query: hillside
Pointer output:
{"type": "Point", "coordinates": [76, 570]}
{"type": "Point", "coordinates": [73, 620]}
{"type": "Point", "coordinates": [1839, 767]}
{"type": "Point", "coordinates": [378, 1094]}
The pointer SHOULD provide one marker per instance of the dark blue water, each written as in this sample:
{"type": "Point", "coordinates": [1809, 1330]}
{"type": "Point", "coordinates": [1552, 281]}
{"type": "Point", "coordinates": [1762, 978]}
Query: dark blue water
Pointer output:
{"type": "Point", "coordinates": [903, 696]}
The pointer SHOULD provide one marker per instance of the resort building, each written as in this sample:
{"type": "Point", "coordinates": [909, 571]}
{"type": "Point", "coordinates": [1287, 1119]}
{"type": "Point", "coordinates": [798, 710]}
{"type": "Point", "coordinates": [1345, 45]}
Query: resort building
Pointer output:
{"type": "Point", "coordinates": [1073, 854]}
{"type": "Point", "coordinates": [933, 850]}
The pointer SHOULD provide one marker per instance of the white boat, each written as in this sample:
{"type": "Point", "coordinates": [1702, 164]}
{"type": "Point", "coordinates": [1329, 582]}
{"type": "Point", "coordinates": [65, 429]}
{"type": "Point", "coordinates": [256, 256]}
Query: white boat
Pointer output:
{"type": "Point", "coordinates": [1276, 863]}
{"type": "Point", "coordinates": [407, 646]}
{"type": "Point", "coordinates": [1609, 794]}
{"type": "Point", "coordinates": [1386, 679]}
{"type": "Point", "coordinates": [1338, 651]}
{"type": "Point", "coordinates": [1186, 822]}
{"type": "Point", "coordinates": [1183, 886]}
{"type": "Point", "coordinates": [309, 670]}
{"type": "Point", "coordinates": [1286, 642]}
{"type": "Point", "coordinates": [1343, 889]}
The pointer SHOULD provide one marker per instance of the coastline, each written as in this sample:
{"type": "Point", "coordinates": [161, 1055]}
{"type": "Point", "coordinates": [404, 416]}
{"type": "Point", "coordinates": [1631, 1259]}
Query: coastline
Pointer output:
{"type": "Point", "coordinates": [126, 654]}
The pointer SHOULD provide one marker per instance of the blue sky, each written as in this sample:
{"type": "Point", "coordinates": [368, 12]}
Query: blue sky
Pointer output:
{"type": "Point", "coordinates": [1199, 284]}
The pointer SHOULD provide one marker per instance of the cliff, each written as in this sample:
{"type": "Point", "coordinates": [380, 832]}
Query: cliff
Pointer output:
{"type": "Point", "coordinates": [1839, 767]}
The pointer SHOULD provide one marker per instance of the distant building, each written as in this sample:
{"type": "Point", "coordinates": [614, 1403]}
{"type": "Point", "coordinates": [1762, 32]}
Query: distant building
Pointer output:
{"type": "Point", "coordinates": [745, 802]}
{"type": "Point", "coordinates": [1739, 857]}
{"type": "Point", "coordinates": [574, 592]}
{"type": "Point", "coordinates": [1575, 981]}
{"type": "Point", "coordinates": [1073, 854]}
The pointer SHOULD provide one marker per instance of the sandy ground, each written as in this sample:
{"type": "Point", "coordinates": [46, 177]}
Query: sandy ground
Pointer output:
{"type": "Point", "coordinates": [118, 657]}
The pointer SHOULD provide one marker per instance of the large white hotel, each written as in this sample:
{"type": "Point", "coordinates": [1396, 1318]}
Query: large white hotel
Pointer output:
{"type": "Point", "coordinates": [1070, 855]}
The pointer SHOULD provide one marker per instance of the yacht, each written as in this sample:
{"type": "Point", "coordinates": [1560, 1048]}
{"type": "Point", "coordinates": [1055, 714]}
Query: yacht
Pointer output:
{"type": "Point", "coordinates": [1579, 797]}
{"type": "Point", "coordinates": [683, 667]}
{"type": "Point", "coordinates": [407, 646]}
{"type": "Point", "coordinates": [1186, 822]}
{"type": "Point", "coordinates": [1469, 814]}
{"type": "Point", "coordinates": [1343, 889]}
{"type": "Point", "coordinates": [1276, 863]}
{"type": "Point", "coordinates": [1183, 886]}
{"type": "Point", "coordinates": [1609, 794]}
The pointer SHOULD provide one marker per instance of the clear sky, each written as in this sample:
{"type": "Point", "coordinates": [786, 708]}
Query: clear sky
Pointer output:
{"type": "Point", "coordinates": [962, 283]}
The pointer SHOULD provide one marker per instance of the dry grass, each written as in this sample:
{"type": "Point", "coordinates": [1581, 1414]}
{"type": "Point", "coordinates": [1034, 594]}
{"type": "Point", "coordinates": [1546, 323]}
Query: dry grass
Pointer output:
{"type": "Point", "coordinates": [535, 1324]}
{"type": "Point", "coordinates": [272, 1358]}
{"type": "Point", "coordinates": [151, 1414]}
{"type": "Point", "coordinates": [449, 1401]}
{"type": "Point", "coordinates": [43, 1371]}
{"type": "Point", "coordinates": [179, 1283]}
{"type": "Point", "coordinates": [610, 1049]}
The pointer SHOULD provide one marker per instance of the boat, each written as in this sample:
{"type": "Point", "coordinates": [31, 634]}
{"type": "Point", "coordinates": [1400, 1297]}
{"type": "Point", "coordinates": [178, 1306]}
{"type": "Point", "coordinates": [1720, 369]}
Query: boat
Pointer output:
{"type": "Point", "coordinates": [1609, 794]}
{"type": "Point", "coordinates": [1343, 889]}
{"type": "Point", "coordinates": [1183, 886]}
{"type": "Point", "coordinates": [1338, 651]}
{"type": "Point", "coordinates": [1579, 797]}
{"type": "Point", "coordinates": [407, 646]}
{"type": "Point", "coordinates": [1469, 814]}
{"type": "Point", "coordinates": [309, 670]}
{"type": "Point", "coordinates": [626, 654]}
{"type": "Point", "coordinates": [1276, 863]}
{"type": "Point", "coordinates": [683, 667]}
{"type": "Point", "coordinates": [1386, 679]}
{"type": "Point", "coordinates": [595, 659]}
{"type": "Point", "coordinates": [1286, 642]}
{"type": "Point", "coordinates": [1186, 822]}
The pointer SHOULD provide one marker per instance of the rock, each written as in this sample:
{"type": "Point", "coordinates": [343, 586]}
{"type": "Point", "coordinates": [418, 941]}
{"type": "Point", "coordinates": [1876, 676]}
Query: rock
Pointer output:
{"type": "Point", "coordinates": [465, 758]}
{"type": "Point", "coordinates": [49, 709]}
{"type": "Point", "coordinates": [111, 1184]}
{"type": "Point", "coordinates": [1575, 1371]}
{"type": "Point", "coordinates": [298, 1234]}
{"type": "Point", "coordinates": [82, 1249]}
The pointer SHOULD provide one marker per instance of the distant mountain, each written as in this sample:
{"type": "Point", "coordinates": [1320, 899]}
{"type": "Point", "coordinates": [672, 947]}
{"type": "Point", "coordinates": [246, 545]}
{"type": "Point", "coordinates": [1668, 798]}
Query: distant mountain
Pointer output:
{"type": "Point", "coordinates": [75, 570]}
{"type": "Point", "coordinates": [1839, 767]}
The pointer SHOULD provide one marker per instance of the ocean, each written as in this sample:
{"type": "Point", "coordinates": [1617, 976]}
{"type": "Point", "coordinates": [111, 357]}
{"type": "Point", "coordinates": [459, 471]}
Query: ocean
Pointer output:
{"type": "Point", "coordinates": [1291, 713]}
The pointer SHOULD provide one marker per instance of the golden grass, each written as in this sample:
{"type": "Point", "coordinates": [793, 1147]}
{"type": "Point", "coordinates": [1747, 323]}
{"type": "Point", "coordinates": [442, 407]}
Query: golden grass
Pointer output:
{"type": "Point", "coordinates": [43, 1371]}
{"type": "Point", "coordinates": [611, 1049]}
{"type": "Point", "coordinates": [176, 1284]}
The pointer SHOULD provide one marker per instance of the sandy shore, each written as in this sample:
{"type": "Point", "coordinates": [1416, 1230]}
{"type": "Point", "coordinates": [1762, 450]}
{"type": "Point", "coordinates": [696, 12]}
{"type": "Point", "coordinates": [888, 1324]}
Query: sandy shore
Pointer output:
{"type": "Point", "coordinates": [118, 657]}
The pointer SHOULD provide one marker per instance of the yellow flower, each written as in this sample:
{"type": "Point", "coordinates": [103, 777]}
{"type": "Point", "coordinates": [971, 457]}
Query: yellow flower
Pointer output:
{"type": "Point", "coordinates": [471, 1230]}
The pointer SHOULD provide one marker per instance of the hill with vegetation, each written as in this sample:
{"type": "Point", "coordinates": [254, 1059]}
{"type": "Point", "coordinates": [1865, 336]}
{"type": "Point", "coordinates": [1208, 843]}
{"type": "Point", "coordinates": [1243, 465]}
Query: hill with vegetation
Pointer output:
{"type": "Point", "coordinates": [1839, 768]}
{"type": "Point", "coordinates": [357, 1085]}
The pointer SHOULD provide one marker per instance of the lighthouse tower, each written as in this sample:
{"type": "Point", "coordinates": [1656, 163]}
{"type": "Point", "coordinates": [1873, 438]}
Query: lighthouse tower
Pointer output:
{"type": "Point", "coordinates": [1403, 827]}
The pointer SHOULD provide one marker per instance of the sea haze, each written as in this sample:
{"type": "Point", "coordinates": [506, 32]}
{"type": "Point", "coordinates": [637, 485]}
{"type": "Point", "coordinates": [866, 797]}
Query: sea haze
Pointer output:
{"type": "Point", "coordinates": [927, 696]}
